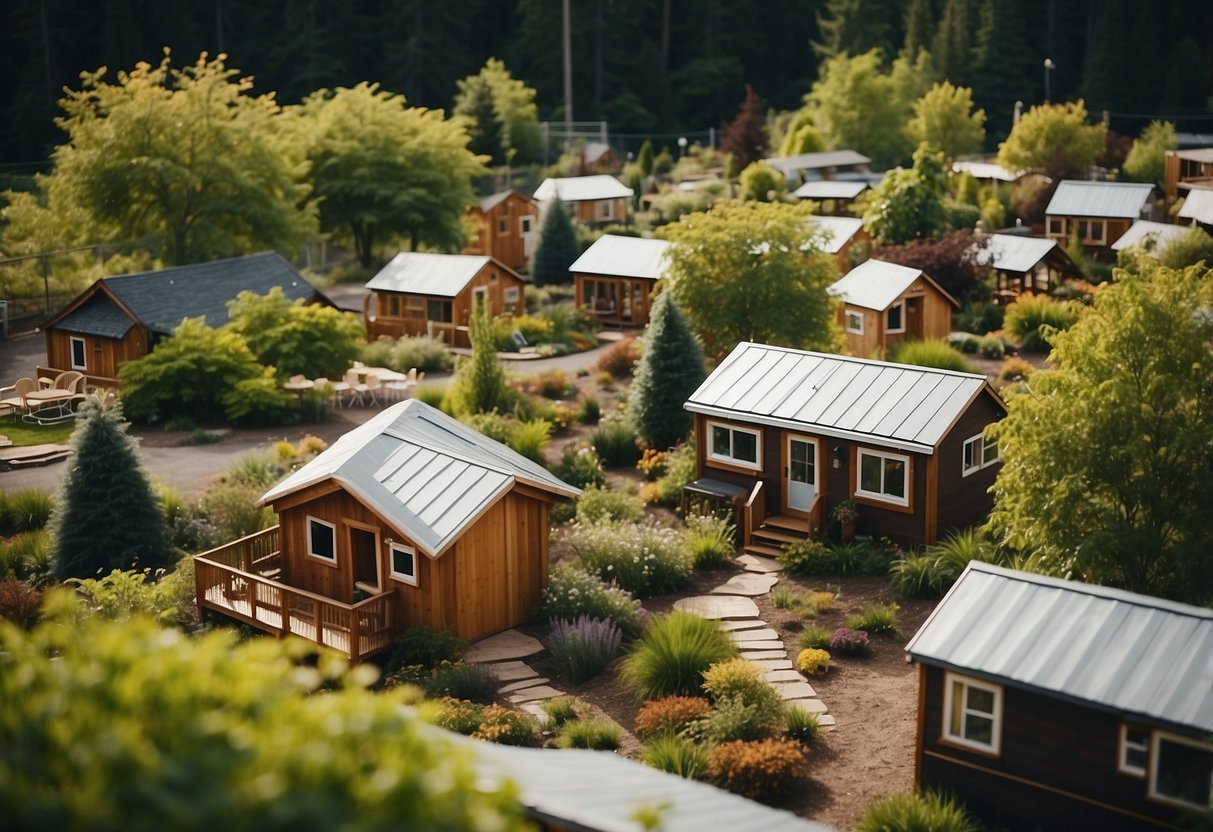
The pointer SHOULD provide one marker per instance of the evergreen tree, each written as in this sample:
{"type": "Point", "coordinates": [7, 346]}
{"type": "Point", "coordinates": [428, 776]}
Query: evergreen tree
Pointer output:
{"type": "Point", "coordinates": [106, 516]}
{"type": "Point", "coordinates": [998, 70]}
{"type": "Point", "coordinates": [645, 158]}
{"type": "Point", "coordinates": [485, 130]}
{"type": "Point", "coordinates": [852, 27]}
{"type": "Point", "coordinates": [953, 41]}
{"type": "Point", "coordinates": [669, 371]}
{"type": "Point", "coordinates": [486, 378]}
{"type": "Point", "coordinates": [557, 247]}
{"type": "Point", "coordinates": [920, 28]}
{"type": "Point", "coordinates": [745, 138]}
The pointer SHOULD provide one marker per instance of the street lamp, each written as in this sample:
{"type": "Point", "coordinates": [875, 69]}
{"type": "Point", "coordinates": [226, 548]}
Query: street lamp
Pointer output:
{"type": "Point", "coordinates": [682, 145]}
{"type": "Point", "coordinates": [1049, 67]}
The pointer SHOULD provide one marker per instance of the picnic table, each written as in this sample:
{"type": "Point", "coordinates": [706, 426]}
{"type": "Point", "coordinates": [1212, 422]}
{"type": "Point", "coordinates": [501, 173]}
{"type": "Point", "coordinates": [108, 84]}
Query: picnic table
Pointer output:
{"type": "Point", "coordinates": [49, 406]}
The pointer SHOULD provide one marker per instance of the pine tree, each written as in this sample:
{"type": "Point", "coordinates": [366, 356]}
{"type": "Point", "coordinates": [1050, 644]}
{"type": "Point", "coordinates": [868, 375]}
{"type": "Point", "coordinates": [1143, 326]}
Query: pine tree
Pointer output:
{"type": "Point", "coordinates": [920, 28]}
{"type": "Point", "coordinates": [486, 378]}
{"type": "Point", "coordinates": [670, 370]}
{"type": "Point", "coordinates": [852, 27]}
{"type": "Point", "coordinates": [645, 158]}
{"type": "Point", "coordinates": [953, 42]}
{"type": "Point", "coordinates": [998, 70]}
{"type": "Point", "coordinates": [745, 138]}
{"type": "Point", "coordinates": [106, 516]}
{"type": "Point", "coordinates": [557, 247]}
{"type": "Point", "coordinates": [485, 130]}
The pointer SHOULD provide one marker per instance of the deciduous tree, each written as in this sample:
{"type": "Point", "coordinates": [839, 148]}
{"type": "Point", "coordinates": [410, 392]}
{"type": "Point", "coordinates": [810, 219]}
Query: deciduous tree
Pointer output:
{"type": "Point", "coordinates": [955, 261]}
{"type": "Point", "coordinates": [669, 371]}
{"type": "Point", "coordinates": [1147, 158]}
{"type": "Point", "coordinates": [745, 137]}
{"type": "Point", "coordinates": [514, 133]}
{"type": "Point", "coordinates": [944, 118]}
{"type": "Point", "coordinates": [762, 182]}
{"type": "Point", "coordinates": [1053, 139]}
{"type": "Point", "coordinates": [908, 204]}
{"type": "Point", "coordinates": [294, 336]}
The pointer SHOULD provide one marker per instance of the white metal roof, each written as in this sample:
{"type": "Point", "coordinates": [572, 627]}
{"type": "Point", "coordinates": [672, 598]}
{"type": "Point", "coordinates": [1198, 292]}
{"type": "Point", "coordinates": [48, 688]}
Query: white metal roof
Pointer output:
{"type": "Point", "coordinates": [877, 284]}
{"type": "Point", "coordinates": [1115, 200]}
{"type": "Point", "coordinates": [895, 405]}
{"type": "Point", "coordinates": [830, 189]}
{"type": "Point", "coordinates": [582, 188]}
{"type": "Point", "coordinates": [1198, 205]}
{"type": "Point", "coordinates": [1142, 230]}
{"type": "Point", "coordinates": [1112, 649]}
{"type": "Point", "coordinates": [618, 256]}
{"type": "Point", "coordinates": [836, 232]}
{"type": "Point", "coordinates": [1015, 253]}
{"type": "Point", "coordinates": [425, 273]}
{"type": "Point", "coordinates": [985, 170]}
{"type": "Point", "coordinates": [423, 471]}
{"type": "Point", "coordinates": [815, 161]}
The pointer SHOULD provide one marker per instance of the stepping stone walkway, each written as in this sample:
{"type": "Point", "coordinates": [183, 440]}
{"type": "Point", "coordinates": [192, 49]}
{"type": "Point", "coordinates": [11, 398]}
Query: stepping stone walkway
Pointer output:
{"type": "Point", "coordinates": [747, 583]}
{"type": "Point", "coordinates": [761, 565]}
{"type": "Point", "coordinates": [501, 655]}
{"type": "Point", "coordinates": [718, 606]}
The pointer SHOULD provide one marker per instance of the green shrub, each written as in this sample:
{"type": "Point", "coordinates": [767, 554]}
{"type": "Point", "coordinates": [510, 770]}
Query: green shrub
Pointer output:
{"type": "Point", "coordinates": [671, 656]}
{"type": "Point", "coordinates": [645, 560]}
{"type": "Point", "coordinates": [431, 394]}
{"type": "Point", "coordinates": [231, 508]}
{"type": "Point", "coordinates": [937, 353]}
{"type": "Point", "coordinates": [742, 680]}
{"type": "Point", "coordinates": [473, 682]}
{"type": "Point", "coordinates": [620, 359]}
{"type": "Point", "coordinates": [710, 541]}
{"type": "Point", "coordinates": [733, 719]}
{"type": "Point", "coordinates": [979, 318]}
{"type": "Point", "coordinates": [932, 573]}
{"type": "Point", "coordinates": [458, 715]}
{"type": "Point", "coordinates": [492, 424]}
{"type": "Point", "coordinates": [676, 755]}
{"type": "Point", "coordinates": [425, 646]}
{"type": "Point", "coordinates": [669, 715]}
{"type": "Point", "coordinates": [926, 811]}
{"type": "Point", "coordinates": [595, 734]}
{"type": "Point", "coordinates": [679, 472]}
{"type": "Point", "coordinates": [579, 467]}
{"type": "Point", "coordinates": [817, 638]}
{"type": "Point", "coordinates": [125, 593]}
{"type": "Point", "coordinates": [562, 709]}
{"type": "Point", "coordinates": [590, 411]}
{"type": "Point", "coordinates": [813, 661]}
{"type": "Point", "coordinates": [553, 384]}
{"type": "Point", "coordinates": [530, 438]}
{"type": "Point", "coordinates": [28, 557]}
{"type": "Point", "coordinates": [1031, 319]}
{"type": "Point", "coordinates": [875, 618]}
{"type": "Point", "coordinates": [583, 648]}
{"type": "Point", "coordinates": [1015, 369]}
{"type": "Point", "coordinates": [411, 352]}
{"type": "Point", "coordinates": [572, 592]}
{"type": "Point", "coordinates": [813, 557]}
{"type": "Point", "coordinates": [24, 510]}
{"type": "Point", "coordinates": [760, 770]}
{"type": "Point", "coordinates": [259, 468]}
{"type": "Point", "coordinates": [802, 726]}
{"type": "Point", "coordinates": [615, 441]}
{"type": "Point", "coordinates": [601, 504]}
{"type": "Point", "coordinates": [506, 726]}
{"type": "Point", "coordinates": [917, 576]}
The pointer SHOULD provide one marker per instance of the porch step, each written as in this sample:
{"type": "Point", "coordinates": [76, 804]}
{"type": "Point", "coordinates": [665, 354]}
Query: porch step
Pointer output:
{"type": "Point", "coordinates": [762, 550]}
{"type": "Point", "coordinates": [775, 536]}
{"type": "Point", "coordinates": [796, 526]}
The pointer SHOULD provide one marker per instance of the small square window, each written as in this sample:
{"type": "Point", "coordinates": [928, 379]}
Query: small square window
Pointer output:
{"type": "Point", "coordinates": [895, 318]}
{"type": "Point", "coordinates": [883, 476]}
{"type": "Point", "coordinates": [511, 294]}
{"type": "Point", "coordinates": [321, 540]}
{"type": "Point", "coordinates": [1056, 227]}
{"type": "Point", "coordinates": [855, 322]}
{"type": "Point", "coordinates": [79, 354]}
{"type": "Point", "coordinates": [404, 563]}
{"type": "Point", "coordinates": [972, 713]}
{"type": "Point", "coordinates": [503, 225]}
{"type": "Point", "coordinates": [1134, 751]}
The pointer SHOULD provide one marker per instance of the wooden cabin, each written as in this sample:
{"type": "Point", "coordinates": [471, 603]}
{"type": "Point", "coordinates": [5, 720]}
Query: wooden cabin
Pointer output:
{"type": "Point", "coordinates": [839, 235]}
{"type": "Point", "coordinates": [1098, 212]}
{"type": "Point", "coordinates": [1149, 236]}
{"type": "Point", "coordinates": [833, 196]}
{"type": "Point", "coordinates": [799, 432]}
{"type": "Point", "coordinates": [1057, 705]}
{"type": "Point", "coordinates": [1024, 264]}
{"type": "Point", "coordinates": [1186, 169]}
{"type": "Point", "coordinates": [410, 519]}
{"type": "Point", "coordinates": [421, 293]}
{"type": "Point", "coordinates": [506, 228]}
{"type": "Point", "coordinates": [825, 165]}
{"type": "Point", "coordinates": [596, 200]}
{"type": "Point", "coordinates": [600, 157]}
{"type": "Point", "coordinates": [1198, 208]}
{"type": "Point", "coordinates": [615, 278]}
{"type": "Point", "coordinates": [882, 304]}
{"type": "Point", "coordinates": [123, 317]}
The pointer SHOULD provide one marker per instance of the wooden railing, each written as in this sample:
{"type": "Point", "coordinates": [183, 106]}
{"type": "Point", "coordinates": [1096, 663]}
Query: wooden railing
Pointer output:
{"type": "Point", "coordinates": [91, 382]}
{"type": "Point", "coordinates": [816, 514]}
{"type": "Point", "coordinates": [755, 513]}
{"type": "Point", "coordinates": [257, 553]}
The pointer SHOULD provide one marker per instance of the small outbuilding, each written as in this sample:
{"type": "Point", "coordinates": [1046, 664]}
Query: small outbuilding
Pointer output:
{"type": "Point", "coordinates": [1057, 705]}
{"type": "Point", "coordinates": [1026, 264]}
{"type": "Point", "coordinates": [506, 228]}
{"type": "Point", "coordinates": [614, 279]}
{"type": "Point", "coordinates": [596, 200]}
{"type": "Point", "coordinates": [1149, 236]}
{"type": "Point", "coordinates": [838, 236]}
{"type": "Point", "coordinates": [1198, 207]}
{"type": "Point", "coordinates": [1097, 212]}
{"type": "Point", "coordinates": [882, 304]}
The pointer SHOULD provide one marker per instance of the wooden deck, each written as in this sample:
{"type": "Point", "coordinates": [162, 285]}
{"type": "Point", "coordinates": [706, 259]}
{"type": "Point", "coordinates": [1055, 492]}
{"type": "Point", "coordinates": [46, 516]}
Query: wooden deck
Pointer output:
{"type": "Point", "coordinates": [239, 580]}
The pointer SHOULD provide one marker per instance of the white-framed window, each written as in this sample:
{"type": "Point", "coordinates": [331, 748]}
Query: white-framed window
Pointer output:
{"type": "Point", "coordinates": [607, 209]}
{"type": "Point", "coordinates": [511, 294]}
{"type": "Point", "coordinates": [855, 322]}
{"type": "Point", "coordinates": [1134, 756]}
{"type": "Point", "coordinates": [883, 476]}
{"type": "Point", "coordinates": [322, 540]}
{"type": "Point", "coordinates": [895, 317]}
{"type": "Point", "coordinates": [972, 713]}
{"type": "Point", "coordinates": [978, 453]}
{"type": "Point", "coordinates": [1057, 226]}
{"type": "Point", "coordinates": [1181, 771]}
{"type": "Point", "coordinates": [734, 445]}
{"type": "Point", "coordinates": [403, 563]}
{"type": "Point", "coordinates": [79, 353]}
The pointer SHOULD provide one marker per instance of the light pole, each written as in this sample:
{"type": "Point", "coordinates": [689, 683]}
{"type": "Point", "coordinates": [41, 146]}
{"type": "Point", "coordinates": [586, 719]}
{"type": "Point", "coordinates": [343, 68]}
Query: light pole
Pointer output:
{"type": "Point", "coordinates": [682, 146]}
{"type": "Point", "coordinates": [1049, 67]}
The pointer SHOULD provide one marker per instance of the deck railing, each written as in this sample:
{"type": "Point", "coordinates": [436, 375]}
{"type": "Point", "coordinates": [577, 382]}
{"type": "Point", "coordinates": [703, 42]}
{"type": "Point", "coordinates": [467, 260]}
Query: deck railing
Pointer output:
{"type": "Point", "coordinates": [755, 512]}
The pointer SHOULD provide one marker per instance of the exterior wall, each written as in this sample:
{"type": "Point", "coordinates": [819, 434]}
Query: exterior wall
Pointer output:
{"type": "Point", "coordinates": [865, 344]}
{"type": "Point", "coordinates": [927, 314]}
{"type": "Point", "coordinates": [1059, 228]}
{"type": "Point", "coordinates": [639, 289]}
{"type": "Point", "coordinates": [965, 501]}
{"type": "Point", "coordinates": [1185, 171]}
{"type": "Point", "coordinates": [1056, 767]}
{"type": "Point", "coordinates": [592, 212]}
{"type": "Point", "coordinates": [510, 247]}
{"type": "Point", "coordinates": [102, 355]}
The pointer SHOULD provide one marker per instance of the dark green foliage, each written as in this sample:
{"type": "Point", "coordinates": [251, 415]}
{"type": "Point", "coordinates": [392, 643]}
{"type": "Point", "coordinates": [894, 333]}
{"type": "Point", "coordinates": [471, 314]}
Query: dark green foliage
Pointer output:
{"type": "Point", "coordinates": [1034, 320]}
{"type": "Point", "coordinates": [672, 655]}
{"type": "Point", "coordinates": [479, 384]}
{"type": "Point", "coordinates": [472, 682]}
{"type": "Point", "coordinates": [615, 441]}
{"type": "Point", "coordinates": [935, 352]}
{"type": "Point", "coordinates": [908, 204]}
{"type": "Point", "coordinates": [917, 811]}
{"type": "Point", "coordinates": [932, 573]}
{"type": "Point", "coordinates": [24, 510]}
{"type": "Point", "coordinates": [425, 647]}
{"type": "Point", "coordinates": [669, 371]}
{"type": "Point", "coordinates": [557, 247]}
{"type": "Point", "coordinates": [644, 160]}
{"type": "Point", "coordinates": [106, 515]}
{"type": "Point", "coordinates": [813, 557]}
{"type": "Point", "coordinates": [580, 467]}
{"type": "Point", "coordinates": [296, 338]}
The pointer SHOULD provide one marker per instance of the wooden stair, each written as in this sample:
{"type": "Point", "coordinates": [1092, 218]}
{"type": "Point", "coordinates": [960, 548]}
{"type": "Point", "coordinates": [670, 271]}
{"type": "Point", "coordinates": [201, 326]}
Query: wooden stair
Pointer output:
{"type": "Point", "coordinates": [776, 531]}
{"type": "Point", "coordinates": [30, 456]}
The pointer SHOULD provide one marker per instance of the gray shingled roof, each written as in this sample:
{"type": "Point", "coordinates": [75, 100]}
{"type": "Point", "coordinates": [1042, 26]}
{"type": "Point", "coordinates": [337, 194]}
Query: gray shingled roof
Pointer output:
{"type": "Point", "coordinates": [423, 471]}
{"type": "Point", "coordinates": [616, 256]}
{"type": "Point", "coordinates": [877, 402]}
{"type": "Point", "coordinates": [1114, 200]}
{"type": "Point", "coordinates": [99, 316]}
{"type": "Point", "coordinates": [427, 273]}
{"type": "Point", "coordinates": [1115, 650]}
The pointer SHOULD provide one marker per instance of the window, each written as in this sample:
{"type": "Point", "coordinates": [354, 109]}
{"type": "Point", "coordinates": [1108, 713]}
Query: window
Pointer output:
{"type": "Point", "coordinates": [1056, 227]}
{"type": "Point", "coordinates": [1181, 771]}
{"type": "Point", "coordinates": [606, 209]}
{"type": "Point", "coordinates": [438, 310]}
{"type": "Point", "coordinates": [1097, 231]}
{"type": "Point", "coordinates": [972, 713]}
{"type": "Point", "coordinates": [737, 446]}
{"type": "Point", "coordinates": [322, 540]}
{"type": "Point", "coordinates": [978, 453]}
{"type": "Point", "coordinates": [393, 306]}
{"type": "Point", "coordinates": [895, 317]}
{"type": "Point", "coordinates": [404, 563]}
{"type": "Point", "coordinates": [78, 354]}
{"type": "Point", "coordinates": [855, 322]}
{"type": "Point", "coordinates": [503, 225]}
{"type": "Point", "coordinates": [1134, 751]}
{"type": "Point", "coordinates": [884, 476]}
{"type": "Point", "coordinates": [480, 294]}
{"type": "Point", "coordinates": [511, 294]}
{"type": "Point", "coordinates": [526, 223]}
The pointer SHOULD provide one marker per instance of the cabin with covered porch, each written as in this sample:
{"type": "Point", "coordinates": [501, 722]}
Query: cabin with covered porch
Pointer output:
{"type": "Point", "coordinates": [616, 276]}
{"type": "Point", "coordinates": [882, 304]}
{"type": "Point", "coordinates": [410, 519]}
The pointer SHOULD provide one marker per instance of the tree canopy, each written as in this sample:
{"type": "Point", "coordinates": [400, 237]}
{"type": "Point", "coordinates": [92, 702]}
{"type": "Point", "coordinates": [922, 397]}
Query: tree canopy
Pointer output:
{"type": "Point", "coordinates": [763, 182]}
{"type": "Point", "coordinates": [745, 137]}
{"type": "Point", "coordinates": [296, 337]}
{"type": "Point", "coordinates": [1147, 158]}
{"type": "Point", "coordinates": [909, 204]}
{"type": "Point", "coordinates": [511, 107]}
{"type": "Point", "coordinates": [752, 271]}
{"type": "Point", "coordinates": [944, 118]}
{"type": "Point", "coordinates": [557, 247]}
{"type": "Point", "coordinates": [1053, 139]}
{"type": "Point", "coordinates": [1107, 464]}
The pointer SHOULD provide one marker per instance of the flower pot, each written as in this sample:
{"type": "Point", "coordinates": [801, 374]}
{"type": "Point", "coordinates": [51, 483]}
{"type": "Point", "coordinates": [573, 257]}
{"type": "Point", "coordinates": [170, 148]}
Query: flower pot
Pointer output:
{"type": "Point", "coordinates": [848, 531]}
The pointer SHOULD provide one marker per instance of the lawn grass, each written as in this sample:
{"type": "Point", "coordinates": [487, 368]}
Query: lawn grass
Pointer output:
{"type": "Point", "coordinates": [24, 434]}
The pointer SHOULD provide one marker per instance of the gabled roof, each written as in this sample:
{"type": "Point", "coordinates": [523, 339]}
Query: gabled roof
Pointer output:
{"type": "Point", "coordinates": [617, 256]}
{"type": "Point", "coordinates": [1198, 205]}
{"type": "Point", "coordinates": [1141, 231]}
{"type": "Point", "coordinates": [490, 202]}
{"type": "Point", "coordinates": [1131, 654]}
{"type": "Point", "coordinates": [877, 284]}
{"type": "Point", "coordinates": [985, 170]}
{"type": "Point", "coordinates": [895, 405]}
{"type": "Point", "coordinates": [161, 299]}
{"type": "Point", "coordinates": [1015, 253]}
{"type": "Point", "coordinates": [1113, 200]}
{"type": "Point", "coordinates": [99, 316]}
{"type": "Point", "coordinates": [1195, 154]}
{"type": "Point", "coordinates": [836, 232]}
{"type": "Point", "coordinates": [595, 151]}
{"type": "Point", "coordinates": [423, 471]}
{"type": "Point", "coordinates": [427, 273]}
{"type": "Point", "coordinates": [815, 161]}
{"type": "Point", "coordinates": [830, 189]}
{"type": "Point", "coordinates": [582, 188]}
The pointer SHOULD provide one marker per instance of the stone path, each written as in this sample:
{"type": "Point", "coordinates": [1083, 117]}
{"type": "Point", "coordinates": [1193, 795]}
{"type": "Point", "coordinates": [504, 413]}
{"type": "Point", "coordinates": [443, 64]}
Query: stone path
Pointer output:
{"type": "Point", "coordinates": [521, 684]}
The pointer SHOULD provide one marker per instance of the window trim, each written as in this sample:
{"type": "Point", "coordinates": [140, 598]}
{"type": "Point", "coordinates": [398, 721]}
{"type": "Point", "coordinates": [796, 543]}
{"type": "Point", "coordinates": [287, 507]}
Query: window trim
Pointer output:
{"type": "Point", "coordinates": [1156, 739]}
{"type": "Point", "coordinates": [901, 306]}
{"type": "Point", "coordinates": [311, 550]}
{"type": "Point", "coordinates": [512, 294]}
{"type": "Point", "coordinates": [1122, 763]}
{"type": "Point", "coordinates": [903, 502]}
{"type": "Point", "coordinates": [503, 226]}
{"type": "Point", "coordinates": [994, 748]}
{"type": "Point", "coordinates": [847, 313]}
{"type": "Point", "coordinates": [393, 548]}
{"type": "Point", "coordinates": [979, 457]}
{"type": "Point", "coordinates": [72, 341]}
{"type": "Point", "coordinates": [607, 212]}
{"type": "Point", "coordinates": [1061, 226]}
{"type": "Point", "coordinates": [731, 461]}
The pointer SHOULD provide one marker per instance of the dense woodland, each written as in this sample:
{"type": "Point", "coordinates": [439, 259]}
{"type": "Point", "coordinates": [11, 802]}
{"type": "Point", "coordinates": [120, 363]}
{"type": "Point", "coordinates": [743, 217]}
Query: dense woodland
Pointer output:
{"type": "Point", "coordinates": [647, 66]}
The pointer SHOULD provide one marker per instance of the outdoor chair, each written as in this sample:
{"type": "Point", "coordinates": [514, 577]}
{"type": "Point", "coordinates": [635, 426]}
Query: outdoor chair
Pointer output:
{"type": "Point", "coordinates": [353, 388]}
{"type": "Point", "coordinates": [12, 398]}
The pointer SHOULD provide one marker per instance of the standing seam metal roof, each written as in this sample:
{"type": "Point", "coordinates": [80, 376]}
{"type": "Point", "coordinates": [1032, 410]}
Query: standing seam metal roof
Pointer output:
{"type": "Point", "coordinates": [1014, 253]}
{"type": "Point", "coordinates": [427, 273]}
{"type": "Point", "coordinates": [423, 471]}
{"type": "Point", "coordinates": [1111, 649]}
{"type": "Point", "coordinates": [894, 405]}
{"type": "Point", "coordinates": [877, 284]}
{"type": "Point", "coordinates": [836, 232]}
{"type": "Point", "coordinates": [816, 161]}
{"type": "Point", "coordinates": [830, 189]}
{"type": "Point", "coordinates": [1142, 230]}
{"type": "Point", "coordinates": [582, 188]}
{"type": "Point", "coordinates": [1198, 205]}
{"type": "Point", "coordinates": [1113, 200]}
{"type": "Point", "coordinates": [617, 256]}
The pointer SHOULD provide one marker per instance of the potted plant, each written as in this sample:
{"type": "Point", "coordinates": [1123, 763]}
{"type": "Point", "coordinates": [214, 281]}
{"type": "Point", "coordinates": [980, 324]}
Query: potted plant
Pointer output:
{"type": "Point", "coordinates": [844, 514]}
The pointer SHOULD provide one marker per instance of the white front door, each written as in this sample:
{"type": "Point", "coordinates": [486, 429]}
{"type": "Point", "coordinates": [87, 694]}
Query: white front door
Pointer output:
{"type": "Point", "coordinates": [801, 485]}
{"type": "Point", "coordinates": [527, 225]}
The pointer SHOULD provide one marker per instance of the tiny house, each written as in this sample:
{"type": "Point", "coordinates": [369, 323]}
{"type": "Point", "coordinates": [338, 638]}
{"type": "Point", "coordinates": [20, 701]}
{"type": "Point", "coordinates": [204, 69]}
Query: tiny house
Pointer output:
{"type": "Point", "coordinates": [506, 228]}
{"type": "Point", "coordinates": [839, 235]}
{"type": "Point", "coordinates": [615, 278]}
{"type": "Point", "coordinates": [596, 200]}
{"type": "Point", "coordinates": [1024, 264]}
{"type": "Point", "coordinates": [1098, 213]}
{"type": "Point", "coordinates": [1052, 704]}
{"type": "Point", "coordinates": [410, 519]}
{"type": "Point", "coordinates": [882, 304]}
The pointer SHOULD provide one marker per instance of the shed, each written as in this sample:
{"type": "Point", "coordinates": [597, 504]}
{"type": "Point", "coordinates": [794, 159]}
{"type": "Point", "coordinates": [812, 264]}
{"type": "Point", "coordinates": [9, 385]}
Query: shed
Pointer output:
{"type": "Point", "coordinates": [1190, 167]}
{"type": "Point", "coordinates": [1198, 206]}
{"type": "Point", "coordinates": [596, 200]}
{"type": "Point", "coordinates": [615, 278]}
{"type": "Point", "coordinates": [838, 236]}
{"type": "Point", "coordinates": [883, 304]}
{"type": "Point", "coordinates": [1026, 264]}
{"type": "Point", "coordinates": [1098, 212]}
{"type": "Point", "coordinates": [1054, 704]}
{"type": "Point", "coordinates": [1149, 236]}
{"type": "Point", "coordinates": [505, 228]}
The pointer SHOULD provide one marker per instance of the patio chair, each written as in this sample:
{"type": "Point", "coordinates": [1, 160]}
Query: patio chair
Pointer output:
{"type": "Point", "coordinates": [340, 390]}
{"type": "Point", "coordinates": [12, 398]}
{"type": "Point", "coordinates": [354, 388]}
{"type": "Point", "coordinates": [71, 381]}
{"type": "Point", "coordinates": [373, 388]}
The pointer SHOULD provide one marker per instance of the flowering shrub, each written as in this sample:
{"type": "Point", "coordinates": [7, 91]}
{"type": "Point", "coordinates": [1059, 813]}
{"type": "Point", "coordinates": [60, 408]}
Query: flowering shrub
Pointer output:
{"type": "Point", "coordinates": [669, 715]}
{"type": "Point", "coordinates": [760, 770]}
{"type": "Point", "coordinates": [506, 726]}
{"type": "Point", "coordinates": [579, 466]}
{"type": "Point", "coordinates": [554, 384]}
{"type": "Point", "coordinates": [813, 661]}
{"type": "Point", "coordinates": [583, 648]}
{"type": "Point", "coordinates": [710, 541]}
{"type": "Point", "coordinates": [850, 642]}
{"type": "Point", "coordinates": [573, 593]}
{"type": "Point", "coordinates": [652, 463]}
{"type": "Point", "coordinates": [458, 715]}
{"type": "Point", "coordinates": [620, 359]}
{"type": "Point", "coordinates": [609, 504]}
{"type": "Point", "coordinates": [643, 559]}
